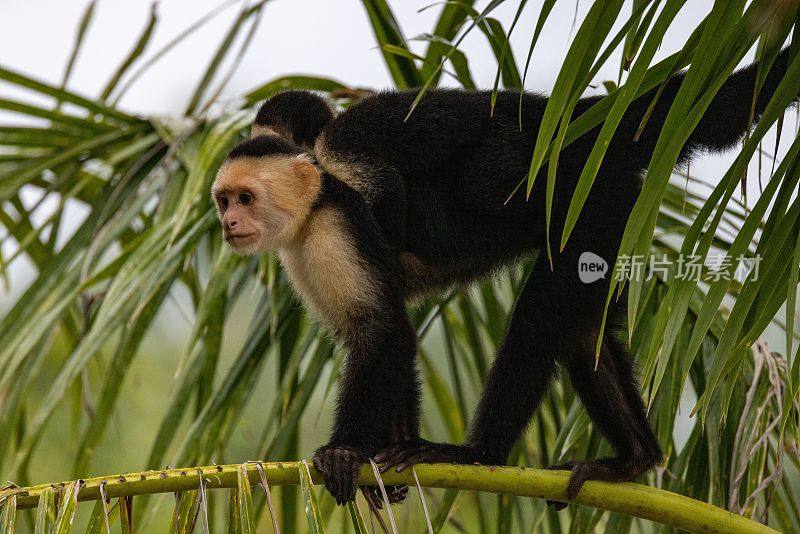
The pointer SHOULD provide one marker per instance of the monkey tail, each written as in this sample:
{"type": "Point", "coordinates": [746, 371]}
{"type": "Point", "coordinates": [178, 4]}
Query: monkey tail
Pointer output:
{"type": "Point", "coordinates": [728, 117]}
{"type": "Point", "coordinates": [732, 111]}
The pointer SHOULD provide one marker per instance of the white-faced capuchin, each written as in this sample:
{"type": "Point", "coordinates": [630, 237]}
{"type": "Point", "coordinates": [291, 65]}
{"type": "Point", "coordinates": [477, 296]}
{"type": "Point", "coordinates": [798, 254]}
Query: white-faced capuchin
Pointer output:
{"type": "Point", "coordinates": [368, 210]}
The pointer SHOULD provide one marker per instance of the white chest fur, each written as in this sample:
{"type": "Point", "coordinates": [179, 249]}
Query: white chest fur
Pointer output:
{"type": "Point", "coordinates": [325, 269]}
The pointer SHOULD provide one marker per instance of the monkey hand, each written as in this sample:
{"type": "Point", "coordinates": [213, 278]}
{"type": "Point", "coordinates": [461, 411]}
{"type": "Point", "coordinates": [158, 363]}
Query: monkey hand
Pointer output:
{"type": "Point", "coordinates": [407, 453]}
{"type": "Point", "coordinates": [339, 465]}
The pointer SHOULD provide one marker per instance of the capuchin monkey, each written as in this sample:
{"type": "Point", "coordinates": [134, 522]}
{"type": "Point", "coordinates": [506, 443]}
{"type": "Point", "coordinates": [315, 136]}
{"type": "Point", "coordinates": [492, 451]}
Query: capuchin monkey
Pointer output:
{"type": "Point", "coordinates": [368, 210]}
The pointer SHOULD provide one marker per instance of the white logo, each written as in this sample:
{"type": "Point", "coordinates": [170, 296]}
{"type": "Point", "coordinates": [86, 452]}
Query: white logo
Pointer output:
{"type": "Point", "coordinates": [591, 267]}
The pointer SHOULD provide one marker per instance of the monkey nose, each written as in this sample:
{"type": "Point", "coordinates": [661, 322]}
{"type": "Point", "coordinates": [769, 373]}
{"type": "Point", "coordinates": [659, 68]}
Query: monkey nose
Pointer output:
{"type": "Point", "coordinates": [231, 224]}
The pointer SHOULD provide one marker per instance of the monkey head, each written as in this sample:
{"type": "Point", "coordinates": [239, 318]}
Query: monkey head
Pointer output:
{"type": "Point", "coordinates": [299, 116]}
{"type": "Point", "coordinates": [264, 192]}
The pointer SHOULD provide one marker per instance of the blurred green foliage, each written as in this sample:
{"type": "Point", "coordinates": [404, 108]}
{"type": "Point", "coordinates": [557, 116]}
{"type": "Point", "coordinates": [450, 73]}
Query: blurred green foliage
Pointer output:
{"type": "Point", "coordinates": [94, 380]}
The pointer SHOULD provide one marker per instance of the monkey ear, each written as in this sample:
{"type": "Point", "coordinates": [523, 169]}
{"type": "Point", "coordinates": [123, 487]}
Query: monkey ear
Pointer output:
{"type": "Point", "coordinates": [310, 177]}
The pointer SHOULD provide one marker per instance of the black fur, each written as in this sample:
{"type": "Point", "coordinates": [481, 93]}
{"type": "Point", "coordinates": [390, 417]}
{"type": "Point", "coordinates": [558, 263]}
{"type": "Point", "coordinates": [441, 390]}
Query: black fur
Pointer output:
{"type": "Point", "coordinates": [264, 145]}
{"type": "Point", "coordinates": [438, 183]}
{"type": "Point", "coordinates": [300, 114]}
{"type": "Point", "coordinates": [381, 345]}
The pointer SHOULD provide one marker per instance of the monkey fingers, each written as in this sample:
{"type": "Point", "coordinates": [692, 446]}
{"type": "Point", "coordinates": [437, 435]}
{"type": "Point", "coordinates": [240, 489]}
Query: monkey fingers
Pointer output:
{"type": "Point", "coordinates": [558, 505]}
{"type": "Point", "coordinates": [405, 454]}
{"type": "Point", "coordinates": [339, 466]}
{"type": "Point", "coordinates": [373, 494]}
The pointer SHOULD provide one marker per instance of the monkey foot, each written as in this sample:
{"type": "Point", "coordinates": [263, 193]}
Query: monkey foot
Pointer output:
{"type": "Point", "coordinates": [609, 469]}
{"type": "Point", "coordinates": [418, 451]}
{"type": "Point", "coordinates": [373, 494]}
{"type": "Point", "coordinates": [558, 505]}
{"type": "Point", "coordinates": [339, 466]}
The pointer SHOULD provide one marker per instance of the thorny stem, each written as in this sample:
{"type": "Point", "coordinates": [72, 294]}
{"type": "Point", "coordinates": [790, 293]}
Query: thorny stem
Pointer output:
{"type": "Point", "coordinates": [633, 499]}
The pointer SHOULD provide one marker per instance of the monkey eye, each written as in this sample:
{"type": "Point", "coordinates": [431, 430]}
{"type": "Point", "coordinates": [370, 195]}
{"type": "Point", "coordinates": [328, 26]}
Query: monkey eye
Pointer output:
{"type": "Point", "coordinates": [245, 198]}
{"type": "Point", "coordinates": [223, 202]}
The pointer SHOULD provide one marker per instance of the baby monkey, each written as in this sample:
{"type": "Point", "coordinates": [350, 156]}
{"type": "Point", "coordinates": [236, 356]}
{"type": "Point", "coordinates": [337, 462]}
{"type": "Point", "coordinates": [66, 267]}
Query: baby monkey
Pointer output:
{"type": "Point", "coordinates": [368, 210]}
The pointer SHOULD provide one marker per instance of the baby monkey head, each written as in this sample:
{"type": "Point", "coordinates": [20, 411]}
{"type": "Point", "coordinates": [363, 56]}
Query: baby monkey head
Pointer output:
{"type": "Point", "coordinates": [299, 116]}
{"type": "Point", "coordinates": [264, 192]}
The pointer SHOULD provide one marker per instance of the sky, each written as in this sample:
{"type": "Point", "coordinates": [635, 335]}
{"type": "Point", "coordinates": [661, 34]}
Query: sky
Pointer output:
{"type": "Point", "coordinates": [324, 37]}
{"type": "Point", "coordinates": [327, 37]}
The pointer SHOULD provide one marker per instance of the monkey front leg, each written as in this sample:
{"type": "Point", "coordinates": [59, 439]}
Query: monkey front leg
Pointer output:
{"type": "Point", "coordinates": [377, 387]}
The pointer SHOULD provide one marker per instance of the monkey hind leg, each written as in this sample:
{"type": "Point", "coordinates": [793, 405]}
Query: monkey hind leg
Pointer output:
{"type": "Point", "coordinates": [611, 397]}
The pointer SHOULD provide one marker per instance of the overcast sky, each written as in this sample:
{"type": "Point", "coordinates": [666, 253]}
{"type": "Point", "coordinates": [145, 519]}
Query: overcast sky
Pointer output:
{"type": "Point", "coordinates": [328, 37]}
{"type": "Point", "coordinates": [325, 37]}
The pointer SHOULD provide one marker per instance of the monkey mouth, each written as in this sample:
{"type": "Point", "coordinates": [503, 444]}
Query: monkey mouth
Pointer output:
{"type": "Point", "coordinates": [232, 238]}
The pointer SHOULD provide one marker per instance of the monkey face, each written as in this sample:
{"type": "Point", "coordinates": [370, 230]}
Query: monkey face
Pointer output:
{"type": "Point", "coordinates": [264, 202]}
